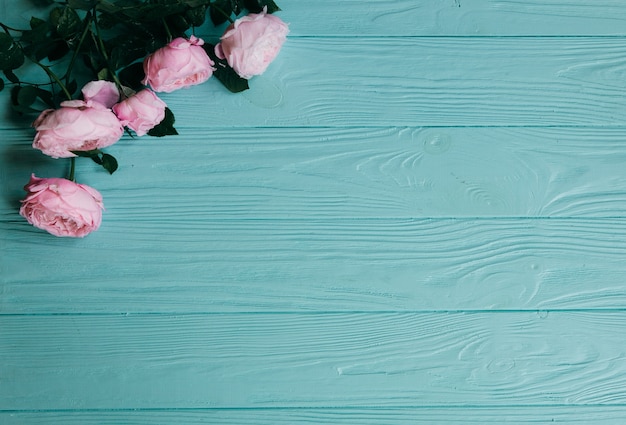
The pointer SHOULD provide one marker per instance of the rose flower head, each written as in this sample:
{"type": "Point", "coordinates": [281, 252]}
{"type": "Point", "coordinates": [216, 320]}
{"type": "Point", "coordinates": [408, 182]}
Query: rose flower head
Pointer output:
{"type": "Point", "coordinates": [251, 43]}
{"type": "Point", "coordinates": [76, 126]}
{"type": "Point", "coordinates": [101, 91]}
{"type": "Point", "coordinates": [182, 63]}
{"type": "Point", "coordinates": [62, 207]}
{"type": "Point", "coordinates": [140, 112]}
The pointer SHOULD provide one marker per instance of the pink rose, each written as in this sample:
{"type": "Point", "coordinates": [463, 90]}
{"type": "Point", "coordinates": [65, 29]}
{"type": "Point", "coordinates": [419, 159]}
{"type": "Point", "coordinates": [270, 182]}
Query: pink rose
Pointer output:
{"type": "Point", "coordinates": [62, 207]}
{"type": "Point", "coordinates": [101, 91]}
{"type": "Point", "coordinates": [252, 42]}
{"type": "Point", "coordinates": [140, 112]}
{"type": "Point", "coordinates": [76, 126]}
{"type": "Point", "coordinates": [182, 63]}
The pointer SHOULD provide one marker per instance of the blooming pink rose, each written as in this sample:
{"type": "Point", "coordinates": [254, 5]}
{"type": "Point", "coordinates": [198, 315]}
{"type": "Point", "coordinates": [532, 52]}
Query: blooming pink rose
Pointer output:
{"type": "Point", "coordinates": [76, 126]}
{"type": "Point", "coordinates": [62, 207]}
{"type": "Point", "coordinates": [252, 42]}
{"type": "Point", "coordinates": [140, 112]}
{"type": "Point", "coordinates": [101, 91]}
{"type": "Point", "coordinates": [182, 63]}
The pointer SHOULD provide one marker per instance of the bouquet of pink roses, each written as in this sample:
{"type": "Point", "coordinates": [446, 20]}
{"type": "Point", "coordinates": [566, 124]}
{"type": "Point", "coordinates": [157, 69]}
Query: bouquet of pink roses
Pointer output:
{"type": "Point", "coordinates": [126, 51]}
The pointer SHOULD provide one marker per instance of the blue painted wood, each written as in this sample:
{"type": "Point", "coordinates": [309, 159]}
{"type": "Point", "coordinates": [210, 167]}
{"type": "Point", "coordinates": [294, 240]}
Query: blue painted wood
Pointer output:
{"type": "Point", "coordinates": [420, 220]}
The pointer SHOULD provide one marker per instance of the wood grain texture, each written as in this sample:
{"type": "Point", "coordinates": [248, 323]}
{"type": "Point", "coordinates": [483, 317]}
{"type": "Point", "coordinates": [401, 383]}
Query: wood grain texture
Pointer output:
{"type": "Point", "coordinates": [318, 265]}
{"type": "Point", "coordinates": [415, 216]}
{"type": "Point", "coordinates": [580, 415]}
{"type": "Point", "coordinates": [423, 18]}
{"type": "Point", "coordinates": [312, 360]}
{"type": "Point", "coordinates": [339, 82]}
{"type": "Point", "coordinates": [458, 81]}
{"type": "Point", "coordinates": [311, 173]}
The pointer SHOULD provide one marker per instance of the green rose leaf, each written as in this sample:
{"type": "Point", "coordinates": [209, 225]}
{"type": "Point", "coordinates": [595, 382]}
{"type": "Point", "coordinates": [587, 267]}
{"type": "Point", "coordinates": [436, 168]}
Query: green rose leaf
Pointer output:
{"type": "Point", "coordinates": [11, 76]}
{"type": "Point", "coordinates": [82, 4]}
{"type": "Point", "coordinates": [65, 21]}
{"type": "Point", "coordinates": [256, 6]}
{"type": "Point", "coordinates": [108, 162]}
{"type": "Point", "coordinates": [57, 50]}
{"type": "Point", "coordinates": [220, 11]}
{"type": "Point", "coordinates": [26, 95]}
{"type": "Point", "coordinates": [224, 73]}
{"type": "Point", "coordinates": [11, 56]}
{"type": "Point", "coordinates": [196, 15]}
{"type": "Point", "coordinates": [165, 127]}
{"type": "Point", "coordinates": [46, 97]}
{"type": "Point", "coordinates": [17, 97]}
{"type": "Point", "coordinates": [132, 76]}
{"type": "Point", "coordinates": [38, 32]}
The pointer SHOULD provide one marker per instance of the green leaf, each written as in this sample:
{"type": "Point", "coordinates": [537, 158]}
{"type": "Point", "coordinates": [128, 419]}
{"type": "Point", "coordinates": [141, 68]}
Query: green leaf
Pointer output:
{"type": "Point", "coordinates": [196, 16]}
{"type": "Point", "coordinates": [220, 11]}
{"type": "Point", "coordinates": [108, 162]}
{"type": "Point", "coordinates": [11, 76]}
{"type": "Point", "coordinates": [26, 95]}
{"type": "Point", "coordinates": [15, 102]}
{"type": "Point", "coordinates": [57, 50]}
{"type": "Point", "coordinates": [126, 50]}
{"type": "Point", "coordinates": [224, 73]}
{"type": "Point", "coordinates": [132, 75]}
{"type": "Point", "coordinates": [72, 86]}
{"type": "Point", "coordinates": [82, 4]}
{"type": "Point", "coordinates": [65, 21]}
{"type": "Point", "coordinates": [165, 127]}
{"type": "Point", "coordinates": [11, 56]}
{"type": "Point", "coordinates": [39, 32]}
{"type": "Point", "coordinates": [46, 97]}
{"type": "Point", "coordinates": [256, 6]}
{"type": "Point", "coordinates": [103, 74]}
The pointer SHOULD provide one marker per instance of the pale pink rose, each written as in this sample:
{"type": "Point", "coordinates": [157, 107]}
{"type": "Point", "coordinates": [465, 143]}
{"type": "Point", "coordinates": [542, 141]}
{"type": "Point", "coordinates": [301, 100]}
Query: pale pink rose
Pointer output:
{"type": "Point", "coordinates": [182, 63]}
{"type": "Point", "coordinates": [101, 91]}
{"type": "Point", "coordinates": [62, 207]}
{"type": "Point", "coordinates": [76, 126]}
{"type": "Point", "coordinates": [141, 112]}
{"type": "Point", "coordinates": [252, 42]}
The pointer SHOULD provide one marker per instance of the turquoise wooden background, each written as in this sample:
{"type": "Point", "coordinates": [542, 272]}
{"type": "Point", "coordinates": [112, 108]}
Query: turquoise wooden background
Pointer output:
{"type": "Point", "coordinates": [421, 220]}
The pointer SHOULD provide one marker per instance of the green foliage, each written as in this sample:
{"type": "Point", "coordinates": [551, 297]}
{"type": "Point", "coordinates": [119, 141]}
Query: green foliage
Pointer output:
{"type": "Point", "coordinates": [11, 56]}
{"type": "Point", "coordinates": [107, 161]}
{"type": "Point", "coordinates": [225, 74]}
{"type": "Point", "coordinates": [165, 127]}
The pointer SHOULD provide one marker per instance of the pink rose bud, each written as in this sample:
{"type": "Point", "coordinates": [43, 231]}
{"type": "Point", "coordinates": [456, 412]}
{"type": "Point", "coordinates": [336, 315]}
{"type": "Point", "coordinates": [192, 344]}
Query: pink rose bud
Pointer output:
{"type": "Point", "coordinates": [141, 112]}
{"type": "Point", "coordinates": [76, 126]}
{"type": "Point", "coordinates": [182, 63]}
{"type": "Point", "coordinates": [62, 207]}
{"type": "Point", "coordinates": [101, 91]}
{"type": "Point", "coordinates": [252, 42]}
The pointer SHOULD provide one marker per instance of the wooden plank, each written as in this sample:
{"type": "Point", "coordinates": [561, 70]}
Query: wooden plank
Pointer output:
{"type": "Point", "coordinates": [352, 82]}
{"type": "Point", "coordinates": [381, 82]}
{"type": "Point", "coordinates": [311, 173]}
{"type": "Point", "coordinates": [455, 17]}
{"type": "Point", "coordinates": [604, 415]}
{"type": "Point", "coordinates": [312, 360]}
{"type": "Point", "coordinates": [162, 263]}
{"type": "Point", "coordinates": [422, 18]}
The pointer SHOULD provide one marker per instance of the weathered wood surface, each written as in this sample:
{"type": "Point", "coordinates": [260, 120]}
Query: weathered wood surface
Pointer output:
{"type": "Point", "coordinates": [415, 216]}
{"type": "Point", "coordinates": [313, 360]}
